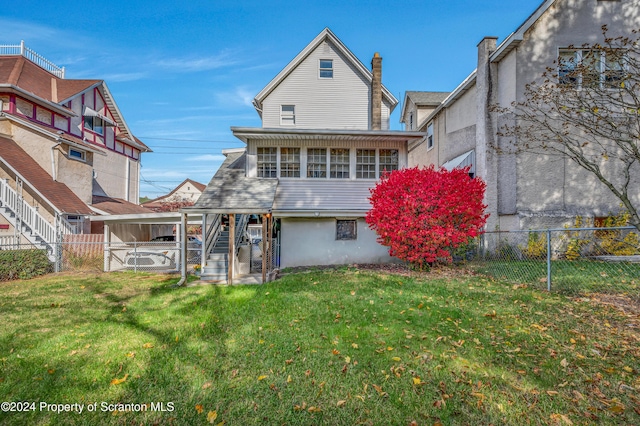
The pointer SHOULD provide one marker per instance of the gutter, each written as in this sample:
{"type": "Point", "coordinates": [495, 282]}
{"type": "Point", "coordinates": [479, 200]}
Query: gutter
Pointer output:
{"type": "Point", "coordinates": [54, 175]}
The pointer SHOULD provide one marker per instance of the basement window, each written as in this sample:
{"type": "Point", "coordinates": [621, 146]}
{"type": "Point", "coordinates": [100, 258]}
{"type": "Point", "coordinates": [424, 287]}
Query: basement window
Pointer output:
{"type": "Point", "coordinates": [346, 229]}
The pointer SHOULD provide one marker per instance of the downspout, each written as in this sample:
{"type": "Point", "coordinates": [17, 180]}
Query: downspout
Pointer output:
{"type": "Point", "coordinates": [54, 174]}
{"type": "Point", "coordinates": [127, 179]}
{"type": "Point", "coordinates": [183, 251]}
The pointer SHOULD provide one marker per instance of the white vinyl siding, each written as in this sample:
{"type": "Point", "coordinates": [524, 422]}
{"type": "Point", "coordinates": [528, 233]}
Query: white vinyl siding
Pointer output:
{"type": "Point", "coordinates": [341, 102]}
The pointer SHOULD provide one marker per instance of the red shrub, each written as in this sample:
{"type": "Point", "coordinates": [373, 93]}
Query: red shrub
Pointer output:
{"type": "Point", "coordinates": [424, 214]}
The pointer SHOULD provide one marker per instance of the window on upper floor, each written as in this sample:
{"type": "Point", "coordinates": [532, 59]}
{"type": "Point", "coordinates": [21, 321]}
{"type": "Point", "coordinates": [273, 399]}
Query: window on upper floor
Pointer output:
{"type": "Point", "coordinates": [268, 162]}
{"type": "Point", "coordinates": [290, 162]}
{"type": "Point", "coordinates": [95, 124]}
{"type": "Point", "coordinates": [317, 162]}
{"type": "Point", "coordinates": [591, 68]}
{"type": "Point", "coordinates": [430, 136]}
{"type": "Point", "coordinates": [288, 115]}
{"type": "Point", "coordinates": [411, 121]}
{"type": "Point", "coordinates": [339, 163]}
{"type": "Point", "coordinates": [326, 68]}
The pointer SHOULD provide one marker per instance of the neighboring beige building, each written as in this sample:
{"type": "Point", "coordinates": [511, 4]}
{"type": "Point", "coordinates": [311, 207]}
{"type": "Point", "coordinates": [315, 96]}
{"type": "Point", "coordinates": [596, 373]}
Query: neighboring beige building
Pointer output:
{"type": "Point", "coordinates": [62, 143]}
{"type": "Point", "coordinates": [524, 191]}
{"type": "Point", "coordinates": [187, 192]}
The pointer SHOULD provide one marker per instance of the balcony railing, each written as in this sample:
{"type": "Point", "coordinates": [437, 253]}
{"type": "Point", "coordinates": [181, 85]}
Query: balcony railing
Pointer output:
{"type": "Point", "coordinates": [22, 50]}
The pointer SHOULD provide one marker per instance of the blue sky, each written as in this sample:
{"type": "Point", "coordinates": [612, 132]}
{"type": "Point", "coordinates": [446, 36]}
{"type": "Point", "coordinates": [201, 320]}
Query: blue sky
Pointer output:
{"type": "Point", "coordinates": [183, 72]}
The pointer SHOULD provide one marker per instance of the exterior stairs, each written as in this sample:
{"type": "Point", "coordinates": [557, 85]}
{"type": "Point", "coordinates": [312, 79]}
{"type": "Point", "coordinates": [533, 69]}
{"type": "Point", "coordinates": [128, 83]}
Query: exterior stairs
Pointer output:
{"type": "Point", "coordinates": [216, 262]}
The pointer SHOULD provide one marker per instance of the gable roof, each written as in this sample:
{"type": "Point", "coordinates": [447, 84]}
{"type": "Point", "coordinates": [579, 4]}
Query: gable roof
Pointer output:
{"type": "Point", "coordinates": [21, 75]}
{"type": "Point", "coordinates": [325, 35]}
{"type": "Point", "coordinates": [199, 186]}
{"type": "Point", "coordinates": [428, 99]}
{"type": "Point", "coordinates": [56, 193]}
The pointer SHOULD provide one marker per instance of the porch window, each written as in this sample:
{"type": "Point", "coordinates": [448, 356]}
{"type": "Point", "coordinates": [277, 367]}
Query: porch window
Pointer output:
{"type": "Point", "coordinates": [290, 162]}
{"type": "Point", "coordinates": [317, 162]}
{"type": "Point", "coordinates": [346, 229]}
{"type": "Point", "coordinates": [339, 163]}
{"type": "Point", "coordinates": [388, 160]}
{"type": "Point", "coordinates": [268, 162]}
{"type": "Point", "coordinates": [288, 115]}
{"type": "Point", "coordinates": [366, 163]}
{"type": "Point", "coordinates": [326, 68]}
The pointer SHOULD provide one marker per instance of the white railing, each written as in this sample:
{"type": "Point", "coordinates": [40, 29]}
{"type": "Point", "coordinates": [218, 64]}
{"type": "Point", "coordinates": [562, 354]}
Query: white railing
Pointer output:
{"type": "Point", "coordinates": [22, 50]}
{"type": "Point", "coordinates": [30, 216]}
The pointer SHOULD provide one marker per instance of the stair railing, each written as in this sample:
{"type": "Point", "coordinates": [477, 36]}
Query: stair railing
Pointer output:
{"type": "Point", "coordinates": [212, 233]}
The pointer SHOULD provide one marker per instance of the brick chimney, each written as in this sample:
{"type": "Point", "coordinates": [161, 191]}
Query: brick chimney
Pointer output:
{"type": "Point", "coordinates": [376, 92]}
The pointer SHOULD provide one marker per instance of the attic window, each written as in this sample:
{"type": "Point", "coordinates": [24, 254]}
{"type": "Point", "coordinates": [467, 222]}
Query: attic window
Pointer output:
{"type": "Point", "coordinates": [326, 68]}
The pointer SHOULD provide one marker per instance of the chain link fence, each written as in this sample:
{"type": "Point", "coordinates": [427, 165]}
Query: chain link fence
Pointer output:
{"type": "Point", "coordinates": [574, 261]}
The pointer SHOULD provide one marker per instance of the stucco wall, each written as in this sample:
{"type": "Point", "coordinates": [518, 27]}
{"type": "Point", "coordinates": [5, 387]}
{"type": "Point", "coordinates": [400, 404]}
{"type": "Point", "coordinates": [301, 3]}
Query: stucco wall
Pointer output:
{"type": "Point", "coordinates": [313, 242]}
{"type": "Point", "coordinates": [549, 186]}
{"type": "Point", "coordinates": [111, 173]}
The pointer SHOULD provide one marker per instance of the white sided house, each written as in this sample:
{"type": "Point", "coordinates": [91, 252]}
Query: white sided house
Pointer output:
{"type": "Point", "coordinates": [524, 190]}
{"type": "Point", "coordinates": [307, 172]}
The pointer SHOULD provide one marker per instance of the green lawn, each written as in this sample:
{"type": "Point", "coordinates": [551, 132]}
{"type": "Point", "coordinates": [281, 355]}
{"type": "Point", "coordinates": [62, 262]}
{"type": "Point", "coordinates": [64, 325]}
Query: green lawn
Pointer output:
{"type": "Point", "coordinates": [334, 347]}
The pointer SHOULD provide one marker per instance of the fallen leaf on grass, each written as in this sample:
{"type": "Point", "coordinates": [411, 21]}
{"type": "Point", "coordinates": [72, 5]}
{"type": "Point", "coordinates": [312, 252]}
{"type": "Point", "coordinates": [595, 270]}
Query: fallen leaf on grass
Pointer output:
{"type": "Point", "coordinates": [130, 354]}
{"type": "Point", "coordinates": [260, 378]}
{"type": "Point", "coordinates": [199, 408]}
{"type": "Point", "coordinates": [314, 409]}
{"type": "Point", "coordinates": [557, 417]}
{"type": "Point", "coordinates": [212, 416]}
{"type": "Point", "coordinates": [148, 345]}
{"type": "Point", "coordinates": [341, 402]}
{"type": "Point", "coordinates": [119, 381]}
{"type": "Point", "coordinates": [207, 385]}
{"type": "Point", "coordinates": [417, 381]}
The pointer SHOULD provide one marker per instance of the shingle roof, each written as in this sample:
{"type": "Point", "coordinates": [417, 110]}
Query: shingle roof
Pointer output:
{"type": "Point", "coordinates": [427, 98]}
{"type": "Point", "coordinates": [57, 193]}
{"type": "Point", "coordinates": [230, 191]}
{"type": "Point", "coordinates": [116, 205]}
{"type": "Point", "coordinates": [20, 72]}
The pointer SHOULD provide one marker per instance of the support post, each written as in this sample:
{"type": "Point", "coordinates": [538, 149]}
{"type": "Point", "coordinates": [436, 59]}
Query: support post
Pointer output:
{"type": "Point", "coordinates": [270, 242]}
{"type": "Point", "coordinates": [548, 260]}
{"type": "Point", "coordinates": [232, 246]}
{"type": "Point", "coordinates": [183, 252]}
{"type": "Point", "coordinates": [107, 248]}
{"type": "Point", "coordinates": [264, 248]}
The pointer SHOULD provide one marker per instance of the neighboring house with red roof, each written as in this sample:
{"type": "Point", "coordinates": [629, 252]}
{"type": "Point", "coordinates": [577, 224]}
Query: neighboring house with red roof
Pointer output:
{"type": "Point", "coordinates": [187, 193]}
{"type": "Point", "coordinates": [62, 143]}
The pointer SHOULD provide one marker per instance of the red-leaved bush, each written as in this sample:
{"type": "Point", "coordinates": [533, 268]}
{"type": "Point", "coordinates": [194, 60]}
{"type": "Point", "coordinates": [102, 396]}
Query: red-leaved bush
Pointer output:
{"type": "Point", "coordinates": [422, 215]}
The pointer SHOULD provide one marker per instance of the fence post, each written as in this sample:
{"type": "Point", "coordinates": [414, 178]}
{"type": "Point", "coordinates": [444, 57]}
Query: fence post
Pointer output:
{"type": "Point", "coordinates": [548, 260]}
{"type": "Point", "coordinates": [135, 256]}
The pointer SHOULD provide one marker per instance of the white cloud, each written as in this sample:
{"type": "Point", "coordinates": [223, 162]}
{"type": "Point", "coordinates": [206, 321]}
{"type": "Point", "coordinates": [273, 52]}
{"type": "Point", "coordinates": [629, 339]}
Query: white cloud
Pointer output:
{"type": "Point", "coordinates": [223, 59]}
